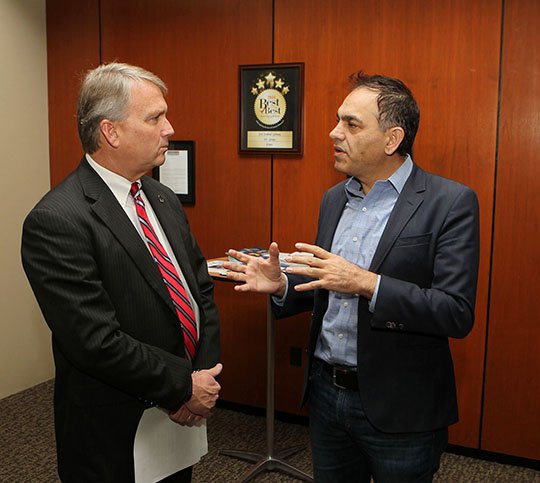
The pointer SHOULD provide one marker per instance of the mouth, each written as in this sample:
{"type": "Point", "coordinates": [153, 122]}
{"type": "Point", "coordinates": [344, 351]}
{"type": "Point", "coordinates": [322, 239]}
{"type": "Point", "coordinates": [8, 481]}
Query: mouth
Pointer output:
{"type": "Point", "coordinates": [338, 150]}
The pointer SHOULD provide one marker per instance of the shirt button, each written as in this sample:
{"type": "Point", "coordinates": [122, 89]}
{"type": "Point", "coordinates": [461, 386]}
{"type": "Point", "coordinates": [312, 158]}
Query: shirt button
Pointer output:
{"type": "Point", "coordinates": [340, 336]}
{"type": "Point", "coordinates": [364, 209]}
{"type": "Point", "coordinates": [355, 239]}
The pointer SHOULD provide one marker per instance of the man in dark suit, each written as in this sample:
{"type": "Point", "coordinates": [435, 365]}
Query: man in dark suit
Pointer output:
{"type": "Point", "coordinates": [132, 327]}
{"type": "Point", "coordinates": [392, 275]}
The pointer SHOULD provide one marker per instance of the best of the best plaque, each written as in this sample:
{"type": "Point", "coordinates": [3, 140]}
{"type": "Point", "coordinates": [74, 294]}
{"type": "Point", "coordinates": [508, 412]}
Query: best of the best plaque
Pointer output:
{"type": "Point", "coordinates": [271, 108]}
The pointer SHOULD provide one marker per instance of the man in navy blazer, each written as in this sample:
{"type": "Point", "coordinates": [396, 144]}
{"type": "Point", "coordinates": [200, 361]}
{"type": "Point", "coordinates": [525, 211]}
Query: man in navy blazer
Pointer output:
{"type": "Point", "coordinates": [117, 339]}
{"type": "Point", "coordinates": [391, 277]}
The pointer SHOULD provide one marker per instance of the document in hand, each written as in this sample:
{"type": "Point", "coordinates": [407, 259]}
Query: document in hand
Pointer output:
{"type": "Point", "coordinates": [163, 447]}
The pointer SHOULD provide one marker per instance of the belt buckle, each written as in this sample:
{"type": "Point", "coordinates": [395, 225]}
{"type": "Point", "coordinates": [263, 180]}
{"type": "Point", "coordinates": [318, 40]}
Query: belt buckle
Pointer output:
{"type": "Point", "coordinates": [334, 378]}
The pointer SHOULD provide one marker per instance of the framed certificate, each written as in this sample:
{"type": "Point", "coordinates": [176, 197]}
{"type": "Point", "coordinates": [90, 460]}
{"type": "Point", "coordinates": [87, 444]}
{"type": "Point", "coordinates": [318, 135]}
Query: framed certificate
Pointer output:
{"type": "Point", "coordinates": [178, 170]}
{"type": "Point", "coordinates": [271, 108]}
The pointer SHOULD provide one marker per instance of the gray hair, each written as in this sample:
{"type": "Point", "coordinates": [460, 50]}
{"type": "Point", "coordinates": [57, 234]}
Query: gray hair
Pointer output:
{"type": "Point", "coordinates": [105, 94]}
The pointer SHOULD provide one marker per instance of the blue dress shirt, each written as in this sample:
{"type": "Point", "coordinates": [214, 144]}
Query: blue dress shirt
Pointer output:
{"type": "Point", "coordinates": [356, 238]}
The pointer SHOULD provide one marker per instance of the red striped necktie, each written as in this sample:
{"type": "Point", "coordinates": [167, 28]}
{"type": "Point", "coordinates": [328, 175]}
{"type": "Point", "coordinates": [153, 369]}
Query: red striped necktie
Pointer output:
{"type": "Point", "coordinates": [174, 285]}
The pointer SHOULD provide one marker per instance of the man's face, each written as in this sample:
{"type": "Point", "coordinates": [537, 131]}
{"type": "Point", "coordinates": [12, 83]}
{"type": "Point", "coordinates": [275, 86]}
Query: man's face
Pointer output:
{"type": "Point", "coordinates": [144, 133]}
{"type": "Point", "coordinates": [359, 142]}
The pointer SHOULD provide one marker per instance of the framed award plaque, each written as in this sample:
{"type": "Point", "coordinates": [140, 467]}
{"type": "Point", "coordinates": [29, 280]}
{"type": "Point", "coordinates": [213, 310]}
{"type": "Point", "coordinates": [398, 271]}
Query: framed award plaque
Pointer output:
{"type": "Point", "coordinates": [271, 108]}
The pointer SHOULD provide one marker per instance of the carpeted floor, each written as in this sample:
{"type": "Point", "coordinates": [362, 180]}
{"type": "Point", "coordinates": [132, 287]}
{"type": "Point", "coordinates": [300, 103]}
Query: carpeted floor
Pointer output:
{"type": "Point", "coordinates": [27, 447]}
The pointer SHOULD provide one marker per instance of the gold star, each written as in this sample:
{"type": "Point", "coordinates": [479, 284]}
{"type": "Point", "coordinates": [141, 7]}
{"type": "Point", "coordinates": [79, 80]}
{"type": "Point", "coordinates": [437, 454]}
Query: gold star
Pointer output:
{"type": "Point", "coordinates": [254, 90]}
{"type": "Point", "coordinates": [260, 84]}
{"type": "Point", "coordinates": [285, 90]}
{"type": "Point", "coordinates": [279, 83]}
{"type": "Point", "coordinates": [270, 78]}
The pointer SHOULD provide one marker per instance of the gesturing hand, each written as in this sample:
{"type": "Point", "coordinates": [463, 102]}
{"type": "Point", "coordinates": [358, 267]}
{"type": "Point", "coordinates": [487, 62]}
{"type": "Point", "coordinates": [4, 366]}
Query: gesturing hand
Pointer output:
{"type": "Point", "coordinates": [258, 274]}
{"type": "Point", "coordinates": [331, 272]}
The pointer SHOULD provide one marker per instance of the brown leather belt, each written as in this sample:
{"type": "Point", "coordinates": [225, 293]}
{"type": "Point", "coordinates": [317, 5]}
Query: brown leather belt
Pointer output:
{"type": "Point", "coordinates": [342, 377]}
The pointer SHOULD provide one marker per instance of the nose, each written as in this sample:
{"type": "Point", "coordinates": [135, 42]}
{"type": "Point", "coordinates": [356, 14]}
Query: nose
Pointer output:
{"type": "Point", "coordinates": [336, 133]}
{"type": "Point", "coordinates": [168, 130]}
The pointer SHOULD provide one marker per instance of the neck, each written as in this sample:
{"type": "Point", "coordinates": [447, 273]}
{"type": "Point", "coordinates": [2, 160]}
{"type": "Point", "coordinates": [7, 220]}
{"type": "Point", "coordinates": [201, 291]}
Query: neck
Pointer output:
{"type": "Point", "coordinates": [115, 165]}
{"type": "Point", "coordinates": [390, 165]}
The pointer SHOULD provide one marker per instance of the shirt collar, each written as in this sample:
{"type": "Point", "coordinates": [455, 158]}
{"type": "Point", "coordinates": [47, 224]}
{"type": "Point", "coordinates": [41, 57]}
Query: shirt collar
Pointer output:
{"type": "Point", "coordinates": [399, 177]}
{"type": "Point", "coordinates": [119, 185]}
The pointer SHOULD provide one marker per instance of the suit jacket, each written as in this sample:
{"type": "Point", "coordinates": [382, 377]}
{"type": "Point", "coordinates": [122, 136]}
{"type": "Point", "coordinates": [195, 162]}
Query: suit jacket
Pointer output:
{"type": "Point", "coordinates": [428, 261]}
{"type": "Point", "coordinates": [117, 342]}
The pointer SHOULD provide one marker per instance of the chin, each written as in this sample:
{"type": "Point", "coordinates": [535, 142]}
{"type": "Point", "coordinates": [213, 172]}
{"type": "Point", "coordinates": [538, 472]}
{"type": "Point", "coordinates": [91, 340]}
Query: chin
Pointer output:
{"type": "Point", "coordinates": [159, 160]}
{"type": "Point", "coordinates": [340, 167]}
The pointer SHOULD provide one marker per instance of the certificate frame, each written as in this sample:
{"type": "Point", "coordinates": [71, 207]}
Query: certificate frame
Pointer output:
{"type": "Point", "coordinates": [271, 98]}
{"type": "Point", "coordinates": [180, 178]}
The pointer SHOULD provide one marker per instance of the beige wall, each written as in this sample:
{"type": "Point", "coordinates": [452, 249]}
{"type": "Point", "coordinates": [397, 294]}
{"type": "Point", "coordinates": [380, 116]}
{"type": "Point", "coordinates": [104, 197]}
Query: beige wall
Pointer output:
{"type": "Point", "coordinates": [25, 354]}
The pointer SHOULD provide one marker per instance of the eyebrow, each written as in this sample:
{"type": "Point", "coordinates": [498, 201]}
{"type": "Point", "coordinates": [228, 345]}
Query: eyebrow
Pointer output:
{"type": "Point", "coordinates": [156, 113]}
{"type": "Point", "coordinates": [349, 117]}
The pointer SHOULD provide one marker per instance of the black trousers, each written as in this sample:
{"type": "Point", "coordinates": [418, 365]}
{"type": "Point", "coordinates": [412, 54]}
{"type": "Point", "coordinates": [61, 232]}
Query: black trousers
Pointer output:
{"type": "Point", "coordinates": [182, 476]}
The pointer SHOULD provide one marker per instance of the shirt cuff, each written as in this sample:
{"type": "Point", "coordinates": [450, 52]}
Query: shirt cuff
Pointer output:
{"type": "Point", "coordinates": [281, 301]}
{"type": "Point", "coordinates": [373, 300]}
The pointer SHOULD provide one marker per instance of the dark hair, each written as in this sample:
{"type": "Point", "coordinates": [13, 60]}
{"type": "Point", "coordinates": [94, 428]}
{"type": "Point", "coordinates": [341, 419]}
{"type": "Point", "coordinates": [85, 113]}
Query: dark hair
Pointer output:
{"type": "Point", "coordinates": [397, 106]}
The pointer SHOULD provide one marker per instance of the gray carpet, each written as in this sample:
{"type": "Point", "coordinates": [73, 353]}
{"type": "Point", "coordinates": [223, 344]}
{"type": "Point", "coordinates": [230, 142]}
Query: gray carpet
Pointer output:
{"type": "Point", "coordinates": [27, 447]}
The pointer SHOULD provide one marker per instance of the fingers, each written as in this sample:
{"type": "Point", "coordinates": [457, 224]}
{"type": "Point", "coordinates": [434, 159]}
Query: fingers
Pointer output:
{"type": "Point", "coordinates": [303, 261]}
{"type": "Point", "coordinates": [201, 410]}
{"type": "Point", "coordinates": [312, 256]}
{"type": "Point", "coordinates": [273, 249]}
{"type": "Point", "coordinates": [205, 383]}
{"type": "Point", "coordinates": [185, 417]}
{"type": "Point", "coordinates": [306, 287]}
{"type": "Point", "coordinates": [314, 249]}
{"type": "Point", "coordinates": [241, 257]}
{"type": "Point", "coordinates": [314, 270]}
{"type": "Point", "coordinates": [234, 267]}
{"type": "Point", "coordinates": [242, 288]}
{"type": "Point", "coordinates": [216, 370]}
{"type": "Point", "coordinates": [236, 276]}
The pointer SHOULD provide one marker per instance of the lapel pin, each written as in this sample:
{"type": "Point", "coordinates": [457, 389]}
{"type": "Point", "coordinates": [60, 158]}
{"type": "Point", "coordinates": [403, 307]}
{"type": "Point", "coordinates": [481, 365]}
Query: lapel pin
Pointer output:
{"type": "Point", "coordinates": [161, 199]}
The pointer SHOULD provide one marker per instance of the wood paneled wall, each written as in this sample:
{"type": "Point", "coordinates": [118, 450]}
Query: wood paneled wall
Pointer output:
{"type": "Point", "coordinates": [448, 52]}
{"type": "Point", "coordinates": [72, 49]}
{"type": "Point", "coordinates": [512, 394]}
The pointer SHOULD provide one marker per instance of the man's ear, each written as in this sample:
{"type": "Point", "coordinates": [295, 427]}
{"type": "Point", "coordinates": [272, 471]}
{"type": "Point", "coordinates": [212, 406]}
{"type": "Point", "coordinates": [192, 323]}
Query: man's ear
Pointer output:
{"type": "Point", "coordinates": [109, 133]}
{"type": "Point", "coordinates": [396, 135]}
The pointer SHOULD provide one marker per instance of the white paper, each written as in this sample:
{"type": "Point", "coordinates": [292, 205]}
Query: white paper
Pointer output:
{"type": "Point", "coordinates": [174, 171]}
{"type": "Point", "coordinates": [163, 447]}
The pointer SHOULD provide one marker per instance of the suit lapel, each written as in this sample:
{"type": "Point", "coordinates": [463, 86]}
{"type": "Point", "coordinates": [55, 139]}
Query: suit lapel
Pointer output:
{"type": "Point", "coordinates": [330, 220]}
{"type": "Point", "coordinates": [410, 198]}
{"type": "Point", "coordinates": [107, 208]}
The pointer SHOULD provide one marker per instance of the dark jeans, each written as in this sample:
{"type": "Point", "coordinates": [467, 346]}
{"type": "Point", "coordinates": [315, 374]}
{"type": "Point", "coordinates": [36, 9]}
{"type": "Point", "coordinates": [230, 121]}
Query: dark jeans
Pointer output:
{"type": "Point", "coordinates": [348, 449]}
